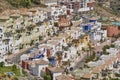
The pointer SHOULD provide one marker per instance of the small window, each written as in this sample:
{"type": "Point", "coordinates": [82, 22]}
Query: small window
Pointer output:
{"type": "Point", "coordinates": [0, 30]}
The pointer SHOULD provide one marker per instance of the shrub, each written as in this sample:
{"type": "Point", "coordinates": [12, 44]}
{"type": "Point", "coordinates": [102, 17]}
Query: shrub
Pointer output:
{"type": "Point", "coordinates": [14, 67]}
{"type": "Point", "coordinates": [2, 64]}
{"type": "Point", "coordinates": [112, 45]}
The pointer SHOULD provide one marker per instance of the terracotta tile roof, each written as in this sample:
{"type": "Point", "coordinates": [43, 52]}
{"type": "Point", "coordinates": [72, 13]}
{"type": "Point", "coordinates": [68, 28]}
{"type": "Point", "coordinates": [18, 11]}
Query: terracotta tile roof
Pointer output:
{"type": "Point", "coordinates": [55, 69]}
{"type": "Point", "coordinates": [25, 13]}
{"type": "Point", "coordinates": [23, 10]}
{"type": "Point", "coordinates": [114, 59]}
{"type": "Point", "coordinates": [32, 10]}
{"type": "Point", "coordinates": [4, 17]}
{"type": "Point", "coordinates": [118, 55]}
{"type": "Point", "coordinates": [108, 62]}
{"type": "Point", "coordinates": [87, 75]}
{"type": "Point", "coordinates": [63, 77]}
{"type": "Point", "coordinates": [102, 66]}
{"type": "Point", "coordinates": [95, 70]}
{"type": "Point", "coordinates": [15, 15]}
{"type": "Point", "coordinates": [39, 62]}
{"type": "Point", "coordinates": [64, 22]}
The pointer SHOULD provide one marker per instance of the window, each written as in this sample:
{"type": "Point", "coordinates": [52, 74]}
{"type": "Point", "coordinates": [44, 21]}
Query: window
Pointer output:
{"type": "Point", "coordinates": [0, 30]}
{"type": "Point", "coordinates": [81, 5]}
{"type": "Point", "coordinates": [72, 6]}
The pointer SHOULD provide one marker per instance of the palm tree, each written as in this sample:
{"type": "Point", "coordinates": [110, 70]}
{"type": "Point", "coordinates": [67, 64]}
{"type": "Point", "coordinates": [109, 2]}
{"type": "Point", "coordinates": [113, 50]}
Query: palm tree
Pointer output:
{"type": "Point", "coordinates": [90, 48]}
{"type": "Point", "coordinates": [68, 62]}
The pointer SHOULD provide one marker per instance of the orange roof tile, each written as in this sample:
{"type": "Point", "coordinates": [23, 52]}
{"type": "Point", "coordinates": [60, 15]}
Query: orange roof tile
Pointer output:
{"type": "Point", "coordinates": [87, 75]}
{"type": "Point", "coordinates": [95, 70]}
{"type": "Point", "coordinates": [55, 69]}
{"type": "Point", "coordinates": [63, 77]}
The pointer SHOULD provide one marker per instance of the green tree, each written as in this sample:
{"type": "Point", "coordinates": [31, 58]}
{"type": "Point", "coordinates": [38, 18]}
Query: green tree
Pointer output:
{"type": "Point", "coordinates": [17, 3]}
{"type": "Point", "coordinates": [83, 49]}
{"type": "Point", "coordinates": [15, 78]}
{"type": "Point", "coordinates": [68, 62]}
{"type": "Point", "coordinates": [56, 24]}
{"type": "Point", "coordinates": [23, 3]}
{"type": "Point", "coordinates": [14, 67]}
{"type": "Point", "coordinates": [90, 48]}
{"type": "Point", "coordinates": [2, 64]}
{"type": "Point", "coordinates": [40, 38]}
{"type": "Point", "coordinates": [28, 3]}
{"type": "Point", "coordinates": [9, 53]}
{"type": "Point", "coordinates": [112, 45]}
{"type": "Point", "coordinates": [37, 1]}
{"type": "Point", "coordinates": [24, 73]}
{"type": "Point", "coordinates": [32, 42]}
{"type": "Point", "coordinates": [46, 76]}
{"type": "Point", "coordinates": [49, 34]}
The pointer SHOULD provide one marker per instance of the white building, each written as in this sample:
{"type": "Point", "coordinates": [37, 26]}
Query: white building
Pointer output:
{"type": "Point", "coordinates": [36, 67]}
{"type": "Point", "coordinates": [54, 71]}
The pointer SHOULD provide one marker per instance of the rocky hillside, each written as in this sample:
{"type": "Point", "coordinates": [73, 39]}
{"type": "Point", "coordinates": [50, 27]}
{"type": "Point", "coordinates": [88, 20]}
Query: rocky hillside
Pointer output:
{"type": "Point", "coordinates": [5, 5]}
{"type": "Point", "coordinates": [108, 7]}
{"type": "Point", "coordinates": [99, 8]}
{"type": "Point", "coordinates": [14, 4]}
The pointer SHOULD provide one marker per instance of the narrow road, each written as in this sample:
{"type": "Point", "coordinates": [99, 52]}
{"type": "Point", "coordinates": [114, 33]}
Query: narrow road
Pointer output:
{"type": "Point", "coordinates": [80, 63]}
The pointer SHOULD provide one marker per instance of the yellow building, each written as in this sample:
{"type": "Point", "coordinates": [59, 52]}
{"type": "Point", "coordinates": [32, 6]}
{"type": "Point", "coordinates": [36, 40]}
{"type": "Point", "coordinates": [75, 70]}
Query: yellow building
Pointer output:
{"type": "Point", "coordinates": [82, 41]}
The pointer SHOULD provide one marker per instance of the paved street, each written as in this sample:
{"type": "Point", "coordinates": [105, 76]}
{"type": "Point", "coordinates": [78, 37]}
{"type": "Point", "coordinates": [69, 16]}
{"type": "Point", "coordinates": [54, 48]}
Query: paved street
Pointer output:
{"type": "Point", "coordinates": [80, 62]}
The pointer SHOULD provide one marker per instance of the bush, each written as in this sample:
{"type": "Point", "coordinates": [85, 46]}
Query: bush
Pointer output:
{"type": "Point", "coordinates": [15, 78]}
{"type": "Point", "coordinates": [49, 34]}
{"type": "Point", "coordinates": [56, 24]}
{"type": "Point", "coordinates": [18, 3]}
{"type": "Point", "coordinates": [117, 75]}
{"type": "Point", "coordinates": [32, 42]}
{"type": "Point", "coordinates": [14, 67]}
{"type": "Point", "coordinates": [91, 58]}
{"type": "Point", "coordinates": [36, 1]}
{"type": "Point", "coordinates": [9, 53]}
{"type": "Point", "coordinates": [24, 73]}
{"type": "Point", "coordinates": [112, 45]}
{"type": "Point", "coordinates": [46, 77]}
{"type": "Point", "coordinates": [40, 38]}
{"type": "Point", "coordinates": [2, 64]}
{"type": "Point", "coordinates": [106, 47]}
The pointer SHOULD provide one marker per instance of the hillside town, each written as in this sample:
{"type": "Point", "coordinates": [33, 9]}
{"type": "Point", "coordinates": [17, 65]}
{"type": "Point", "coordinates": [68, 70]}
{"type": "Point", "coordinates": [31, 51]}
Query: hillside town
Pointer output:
{"type": "Point", "coordinates": [66, 40]}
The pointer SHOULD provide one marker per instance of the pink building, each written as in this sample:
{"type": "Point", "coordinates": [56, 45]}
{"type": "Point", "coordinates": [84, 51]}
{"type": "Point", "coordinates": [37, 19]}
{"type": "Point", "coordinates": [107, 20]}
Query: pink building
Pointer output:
{"type": "Point", "coordinates": [112, 31]}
